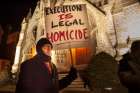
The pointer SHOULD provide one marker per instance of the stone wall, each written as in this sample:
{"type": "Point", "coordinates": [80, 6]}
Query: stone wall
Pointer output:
{"type": "Point", "coordinates": [123, 19]}
{"type": "Point", "coordinates": [127, 26]}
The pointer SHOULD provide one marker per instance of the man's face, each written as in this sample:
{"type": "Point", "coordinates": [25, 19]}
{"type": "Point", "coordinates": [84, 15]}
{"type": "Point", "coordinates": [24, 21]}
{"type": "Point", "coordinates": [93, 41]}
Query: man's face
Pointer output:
{"type": "Point", "coordinates": [47, 49]}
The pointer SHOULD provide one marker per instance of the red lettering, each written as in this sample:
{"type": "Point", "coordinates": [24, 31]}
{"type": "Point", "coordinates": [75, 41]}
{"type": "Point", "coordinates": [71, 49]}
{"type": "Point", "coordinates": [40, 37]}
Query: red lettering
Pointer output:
{"type": "Point", "coordinates": [56, 36]}
{"type": "Point", "coordinates": [85, 33]}
{"type": "Point", "coordinates": [65, 16]}
{"type": "Point", "coordinates": [50, 36]}
{"type": "Point", "coordinates": [79, 34]}
{"type": "Point", "coordinates": [71, 35]}
{"type": "Point", "coordinates": [75, 34]}
{"type": "Point", "coordinates": [62, 35]}
{"type": "Point", "coordinates": [67, 34]}
{"type": "Point", "coordinates": [61, 16]}
{"type": "Point", "coordinates": [68, 16]}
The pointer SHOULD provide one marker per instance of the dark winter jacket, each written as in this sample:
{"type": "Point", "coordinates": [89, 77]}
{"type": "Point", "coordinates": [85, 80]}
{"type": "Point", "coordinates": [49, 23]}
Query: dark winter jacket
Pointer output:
{"type": "Point", "coordinates": [129, 74]}
{"type": "Point", "coordinates": [34, 76]}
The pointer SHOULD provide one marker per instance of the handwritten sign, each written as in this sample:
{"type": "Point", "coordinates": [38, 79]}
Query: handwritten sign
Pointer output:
{"type": "Point", "coordinates": [67, 26]}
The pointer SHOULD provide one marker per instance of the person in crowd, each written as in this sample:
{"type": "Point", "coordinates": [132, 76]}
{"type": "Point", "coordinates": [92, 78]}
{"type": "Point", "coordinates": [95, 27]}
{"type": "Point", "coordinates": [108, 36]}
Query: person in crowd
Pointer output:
{"type": "Point", "coordinates": [129, 68]}
{"type": "Point", "coordinates": [39, 74]}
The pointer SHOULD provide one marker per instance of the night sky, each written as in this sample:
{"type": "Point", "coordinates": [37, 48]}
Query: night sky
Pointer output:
{"type": "Point", "coordinates": [13, 11]}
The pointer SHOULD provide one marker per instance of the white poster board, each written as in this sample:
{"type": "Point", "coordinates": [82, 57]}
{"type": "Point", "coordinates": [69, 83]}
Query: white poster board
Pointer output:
{"type": "Point", "coordinates": [67, 26]}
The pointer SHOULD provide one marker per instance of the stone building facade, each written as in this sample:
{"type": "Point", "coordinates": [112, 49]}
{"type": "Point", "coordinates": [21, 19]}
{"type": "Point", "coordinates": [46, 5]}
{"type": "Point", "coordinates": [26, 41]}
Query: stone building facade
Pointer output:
{"type": "Point", "coordinates": [125, 17]}
{"type": "Point", "coordinates": [112, 24]}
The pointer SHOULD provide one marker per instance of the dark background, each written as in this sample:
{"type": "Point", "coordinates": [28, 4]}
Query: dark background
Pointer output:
{"type": "Point", "coordinates": [12, 13]}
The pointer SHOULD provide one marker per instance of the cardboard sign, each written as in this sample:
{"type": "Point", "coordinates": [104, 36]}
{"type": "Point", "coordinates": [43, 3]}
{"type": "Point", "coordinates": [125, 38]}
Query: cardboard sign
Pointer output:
{"type": "Point", "coordinates": [67, 26]}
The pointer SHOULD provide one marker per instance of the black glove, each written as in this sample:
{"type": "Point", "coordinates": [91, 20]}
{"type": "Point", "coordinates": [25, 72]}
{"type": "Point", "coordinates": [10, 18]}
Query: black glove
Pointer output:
{"type": "Point", "coordinates": [65, 81]}
{"type": "Point", "coordinates": [73, 73]}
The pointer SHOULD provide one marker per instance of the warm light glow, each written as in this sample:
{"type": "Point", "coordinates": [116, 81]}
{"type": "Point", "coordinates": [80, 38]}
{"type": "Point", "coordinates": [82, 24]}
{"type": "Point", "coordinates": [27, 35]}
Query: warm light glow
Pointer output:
{"type": "Point", "coordinates": [21, 36]}
{"type": "Point", "coordinates": [53, 57]}
{"type": "Point", "coordinates": [73, 50]}
{"type": "Point", "coordinates": [33, 51]}
{"type": "Point", "coordinates": [16, 61]}
{"type": "Point", "coordinates": [14, 68]}
{"type": "Point", "coordinates": [17, 54]}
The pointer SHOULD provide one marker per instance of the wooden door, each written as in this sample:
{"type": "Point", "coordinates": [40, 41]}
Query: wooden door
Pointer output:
{"type": "Point", "coordinates": [82, 56]}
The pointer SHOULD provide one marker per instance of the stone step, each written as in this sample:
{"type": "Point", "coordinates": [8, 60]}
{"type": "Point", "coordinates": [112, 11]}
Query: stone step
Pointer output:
{"type": "Point", "coordinates": [76, 85]}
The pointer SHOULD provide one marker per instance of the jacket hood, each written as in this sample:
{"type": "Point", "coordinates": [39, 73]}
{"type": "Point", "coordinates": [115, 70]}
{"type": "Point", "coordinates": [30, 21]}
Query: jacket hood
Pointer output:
{"type": "Point", "coordinates": [39, 51]}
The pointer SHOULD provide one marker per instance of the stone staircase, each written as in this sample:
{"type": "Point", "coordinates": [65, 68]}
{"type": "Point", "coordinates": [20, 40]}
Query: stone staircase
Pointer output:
{"type": "Point", "coordinates": [77, 86]}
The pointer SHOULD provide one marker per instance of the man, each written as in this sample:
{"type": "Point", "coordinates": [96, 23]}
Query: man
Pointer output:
{"type": "Point", "coordinates": [39, 74]}
{"type": "Point", "coordinates": [129, 69]}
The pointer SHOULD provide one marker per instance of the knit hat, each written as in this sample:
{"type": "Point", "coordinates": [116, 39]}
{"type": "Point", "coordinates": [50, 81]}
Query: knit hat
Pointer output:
{"type": "Point", "coordinates": [42, 42]}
